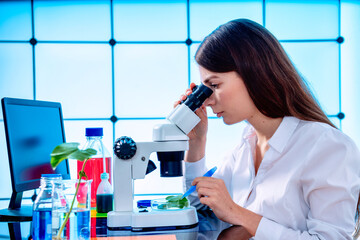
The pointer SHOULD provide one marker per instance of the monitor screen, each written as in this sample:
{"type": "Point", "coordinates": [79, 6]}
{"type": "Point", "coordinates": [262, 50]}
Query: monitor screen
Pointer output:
{"type": "Point", "coordinates": [33, 129]}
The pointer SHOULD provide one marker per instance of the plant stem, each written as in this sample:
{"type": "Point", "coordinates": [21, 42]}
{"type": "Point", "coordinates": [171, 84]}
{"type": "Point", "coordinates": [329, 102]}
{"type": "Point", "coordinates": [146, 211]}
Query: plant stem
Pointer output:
{"type": "Point", "coordinates": [81, 174]}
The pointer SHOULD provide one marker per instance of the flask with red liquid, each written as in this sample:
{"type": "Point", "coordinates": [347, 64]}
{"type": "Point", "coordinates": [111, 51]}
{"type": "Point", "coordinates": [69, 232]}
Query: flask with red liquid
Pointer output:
{"type": "Point", "coordinates": [99, 163]}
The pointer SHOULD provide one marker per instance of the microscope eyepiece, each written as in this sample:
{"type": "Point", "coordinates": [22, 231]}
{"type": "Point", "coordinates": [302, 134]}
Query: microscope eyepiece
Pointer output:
{"type": "Point", "coordinates": [183, 116]}
{"type": "Point", "coordinates": [197, 98]}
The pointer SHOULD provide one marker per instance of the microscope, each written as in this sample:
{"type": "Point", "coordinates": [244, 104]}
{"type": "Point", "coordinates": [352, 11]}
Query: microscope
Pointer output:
{"type": "Point", "coordinates": [131, 161]}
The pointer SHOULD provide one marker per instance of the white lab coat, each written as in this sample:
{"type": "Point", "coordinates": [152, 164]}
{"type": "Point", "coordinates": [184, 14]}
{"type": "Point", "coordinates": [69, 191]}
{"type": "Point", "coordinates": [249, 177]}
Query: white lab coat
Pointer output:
{"type": "Point", "coordinates": [306, 187]}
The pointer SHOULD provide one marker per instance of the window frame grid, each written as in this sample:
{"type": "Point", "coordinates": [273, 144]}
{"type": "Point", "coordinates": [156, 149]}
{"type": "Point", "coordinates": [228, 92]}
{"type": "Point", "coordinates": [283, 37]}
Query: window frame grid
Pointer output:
{"type": "Point", "coordinates": [33, 41]}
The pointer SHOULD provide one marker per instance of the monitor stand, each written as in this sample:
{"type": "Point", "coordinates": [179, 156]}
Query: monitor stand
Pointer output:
{"type": "Point", "coordinates": [15, 212]}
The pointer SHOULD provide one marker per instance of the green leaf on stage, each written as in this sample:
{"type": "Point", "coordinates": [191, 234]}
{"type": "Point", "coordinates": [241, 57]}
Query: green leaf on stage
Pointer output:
{"type": "Point", "coordinates": [176, 201]}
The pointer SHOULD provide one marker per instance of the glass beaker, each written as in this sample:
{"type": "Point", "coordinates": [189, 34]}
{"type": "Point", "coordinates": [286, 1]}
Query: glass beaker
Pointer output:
{"type": "Point", "coordinates": [78, 225]}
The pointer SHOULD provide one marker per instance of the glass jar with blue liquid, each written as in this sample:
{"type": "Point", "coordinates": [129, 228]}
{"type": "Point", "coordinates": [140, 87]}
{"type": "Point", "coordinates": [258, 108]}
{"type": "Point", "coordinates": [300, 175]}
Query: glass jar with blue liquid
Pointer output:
{"type": "Point", "coordinates": [42, 208]}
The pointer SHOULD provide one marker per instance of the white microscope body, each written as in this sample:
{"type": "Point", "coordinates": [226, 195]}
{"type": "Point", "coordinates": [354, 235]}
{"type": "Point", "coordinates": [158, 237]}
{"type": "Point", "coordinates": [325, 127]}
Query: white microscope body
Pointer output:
{"type": "Point", "coordinates": [131, 162]}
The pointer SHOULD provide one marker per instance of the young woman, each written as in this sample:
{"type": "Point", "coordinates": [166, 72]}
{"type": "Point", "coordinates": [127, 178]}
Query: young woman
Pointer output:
{"type": "Point", "coordinates": [293, 175]}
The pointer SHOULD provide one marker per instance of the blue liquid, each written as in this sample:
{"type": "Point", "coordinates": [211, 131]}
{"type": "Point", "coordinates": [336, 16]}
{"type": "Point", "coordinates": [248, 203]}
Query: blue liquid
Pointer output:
{"type": "Point", "coordinates": [78, 226]}
{"type": "Point", "coordinates": [41, 225]}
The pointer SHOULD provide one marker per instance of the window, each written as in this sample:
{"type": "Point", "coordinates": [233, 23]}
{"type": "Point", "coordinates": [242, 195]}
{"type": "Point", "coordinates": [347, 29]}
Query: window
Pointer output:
{"type": "Point", "coordinates": [125, 62]}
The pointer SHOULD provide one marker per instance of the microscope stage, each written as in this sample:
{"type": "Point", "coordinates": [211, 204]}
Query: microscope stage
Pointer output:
{"type": "Point", "coordinates": [153, 220]}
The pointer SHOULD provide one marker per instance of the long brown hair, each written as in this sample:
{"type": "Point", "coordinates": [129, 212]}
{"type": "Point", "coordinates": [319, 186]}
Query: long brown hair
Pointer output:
{"type": "Point", "coordinates": [273, 83]}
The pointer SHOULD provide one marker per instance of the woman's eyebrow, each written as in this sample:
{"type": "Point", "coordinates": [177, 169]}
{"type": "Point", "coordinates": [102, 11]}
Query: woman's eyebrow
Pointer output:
{"type": "Point", "coordinates": [209, 78]}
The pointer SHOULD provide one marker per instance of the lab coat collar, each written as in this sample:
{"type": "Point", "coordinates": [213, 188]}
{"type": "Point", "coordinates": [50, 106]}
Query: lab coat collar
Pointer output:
{"type": "Point", "coordinates": [283, 133]}
{"type": "Point", "coordinates": [281, 136]}
{"type": "Point", "coordinates": [249, 132]}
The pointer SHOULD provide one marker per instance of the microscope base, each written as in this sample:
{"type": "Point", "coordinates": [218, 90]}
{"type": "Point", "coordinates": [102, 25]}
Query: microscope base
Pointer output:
{"type": "Point", "coordinates": [153, 220]}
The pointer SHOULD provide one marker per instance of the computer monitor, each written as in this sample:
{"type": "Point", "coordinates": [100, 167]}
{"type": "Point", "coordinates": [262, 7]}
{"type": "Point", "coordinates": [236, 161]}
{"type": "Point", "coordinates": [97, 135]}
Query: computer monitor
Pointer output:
{"type": "Point", "coordinates": [33, 129]}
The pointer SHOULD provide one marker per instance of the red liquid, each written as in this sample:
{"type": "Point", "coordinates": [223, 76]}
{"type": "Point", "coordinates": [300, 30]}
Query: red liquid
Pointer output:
{"type": "Point", "coordinates": [93, 169]}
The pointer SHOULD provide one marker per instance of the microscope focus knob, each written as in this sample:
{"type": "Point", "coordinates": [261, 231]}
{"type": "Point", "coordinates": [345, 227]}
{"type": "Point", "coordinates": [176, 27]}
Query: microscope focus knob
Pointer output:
{"type": "Point", "coordinates": [125, 148]}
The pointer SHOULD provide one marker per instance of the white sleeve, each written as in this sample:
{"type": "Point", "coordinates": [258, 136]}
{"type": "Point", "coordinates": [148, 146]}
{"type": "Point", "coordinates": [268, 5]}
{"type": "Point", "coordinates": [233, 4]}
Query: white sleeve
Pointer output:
{"type": "Point", "coordinates": [196, 169]}
{"type": "Point", "coordinates": [192, 171]}
{"type": "Point", "coordinates": [330, 182]}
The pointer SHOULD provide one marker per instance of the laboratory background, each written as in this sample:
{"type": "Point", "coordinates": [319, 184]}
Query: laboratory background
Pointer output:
{"type": "Point", "coordinates": [121, 65]}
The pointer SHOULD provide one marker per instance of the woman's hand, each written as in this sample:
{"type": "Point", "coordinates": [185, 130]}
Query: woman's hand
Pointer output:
{"type": "Point", "coordinates": [197, 136]}
{"type": "Point", "coordinates": [213, 193]}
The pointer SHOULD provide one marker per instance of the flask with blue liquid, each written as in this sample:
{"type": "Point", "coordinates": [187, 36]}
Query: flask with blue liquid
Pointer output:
{"type": "Point", "coordinates": [42, 208]}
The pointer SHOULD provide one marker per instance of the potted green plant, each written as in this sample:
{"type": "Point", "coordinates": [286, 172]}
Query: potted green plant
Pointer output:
{"type": "Point", "coordinates": [71, 151]}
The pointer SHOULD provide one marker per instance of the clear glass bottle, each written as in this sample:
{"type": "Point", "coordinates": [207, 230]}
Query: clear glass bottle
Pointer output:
{"type": "Point", "coordinates": [59, 208]}
{"type": "Point", "coordinates": [42, 207]}
{"type": "Point", "coordinates": [99, 163]}
{"type": "Point", "coordinates": [104, 195]}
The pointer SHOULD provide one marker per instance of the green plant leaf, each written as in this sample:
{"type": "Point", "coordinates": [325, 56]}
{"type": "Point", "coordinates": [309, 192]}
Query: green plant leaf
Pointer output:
{"type": "Point", "coordinates": [82, 155]}
{"type": "Point", "coordinates": [65, 148]}
{"type": "Point", "coordinates": [177, 201]}
{"type": "Point", "coordinates": [69, 150]}
{"type": "Point", "coordinates": [172, 198]}
{"type": "Point", "coordinates": [62, 152]}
